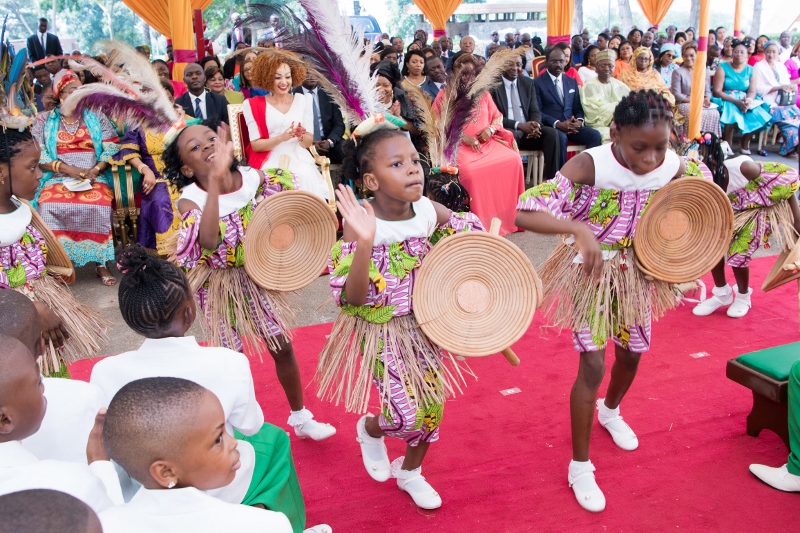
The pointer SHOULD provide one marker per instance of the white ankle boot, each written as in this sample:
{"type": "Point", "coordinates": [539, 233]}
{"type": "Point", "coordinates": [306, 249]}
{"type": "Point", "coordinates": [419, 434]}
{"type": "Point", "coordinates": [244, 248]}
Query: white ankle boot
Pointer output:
{"type": "Point", "coordinates": [722, 296]}
{"type": "Point", "coordinates": [741, 303]}
{"type": "Point", "coordinates": [415, 485]}
{"type": "Point", "coordinates": [305, 426]}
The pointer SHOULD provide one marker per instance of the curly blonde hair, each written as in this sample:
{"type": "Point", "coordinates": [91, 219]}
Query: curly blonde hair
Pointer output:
{"type": "Point", "coordinates": [266, 65]}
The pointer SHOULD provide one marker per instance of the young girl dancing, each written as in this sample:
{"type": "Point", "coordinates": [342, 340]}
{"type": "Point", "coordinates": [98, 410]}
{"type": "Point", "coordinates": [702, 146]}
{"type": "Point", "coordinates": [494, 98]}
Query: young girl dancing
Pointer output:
{"type": "Point", "coordinates": [764, 205]}
{"type": "Point", "coordinates": [217, 201]}
{"type": "Point", "coordinates": [376, 337]}
{"type": "Point", "coordinates": [597, 199]}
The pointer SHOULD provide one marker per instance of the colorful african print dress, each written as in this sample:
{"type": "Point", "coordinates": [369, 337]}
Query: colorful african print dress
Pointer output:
{"type": "Point", "coordinates": [622, 304]}
{"type": "Point", "coordinates": [234, 306]}
{"type": "Point", "coordinates": [761, 209]}
{"type": "Point", "coordinates": [23, 258]}
{"type": "Point", "coordinates": [158, 218]}
{"type": "Point", "coordinates": [80, 220]}
{"type": "Point", "coordinates": [380, 341]}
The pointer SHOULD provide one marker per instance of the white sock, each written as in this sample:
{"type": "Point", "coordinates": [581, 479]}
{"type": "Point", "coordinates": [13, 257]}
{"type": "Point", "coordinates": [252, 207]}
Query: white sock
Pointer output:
{"type": "Point", "coordinates": [578, 467]}
{"type": "Point", "coordinates": [722, 291]}
{"type": "Point", "coordinates": [607, 413]}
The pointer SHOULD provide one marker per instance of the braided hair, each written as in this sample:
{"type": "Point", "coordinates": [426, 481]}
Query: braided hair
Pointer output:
{"type": "Point", "coordinates": [642, 107]}
{"type": "Point", "coordinates": [358, 158]}
{"type": "Point", "coordinates": [151, 290]}
{"type": "Point", "coordinates": [712, 154]}
{"type": "Point", "coordinates": [13, 139]}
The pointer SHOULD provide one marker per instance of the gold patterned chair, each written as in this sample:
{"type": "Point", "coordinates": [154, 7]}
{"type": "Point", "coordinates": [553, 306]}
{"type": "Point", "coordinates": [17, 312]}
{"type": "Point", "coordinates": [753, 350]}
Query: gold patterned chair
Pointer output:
{"type": "Point", "coordinates": [126, 214]}
{"type": "Point", "coordinates": [241, 138]}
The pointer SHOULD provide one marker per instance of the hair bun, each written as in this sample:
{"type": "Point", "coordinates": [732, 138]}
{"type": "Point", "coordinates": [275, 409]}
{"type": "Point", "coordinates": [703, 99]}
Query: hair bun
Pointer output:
{"type": "Point", "coordinates": [135, 258]}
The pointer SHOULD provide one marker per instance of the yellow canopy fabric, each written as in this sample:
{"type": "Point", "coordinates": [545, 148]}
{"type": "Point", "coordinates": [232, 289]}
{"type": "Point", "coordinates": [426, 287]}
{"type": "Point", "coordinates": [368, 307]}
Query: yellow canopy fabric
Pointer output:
{"type": "Point", "coordinates": [655, 10]}
{"type": "Point", "coordinates": [699, 71]}
{"type": "Point", "coordinates": [559, 20]}
{"type": "Point", "coordinates": [737, 21]}
{"type": "Point", "coordinates": [437, 11]}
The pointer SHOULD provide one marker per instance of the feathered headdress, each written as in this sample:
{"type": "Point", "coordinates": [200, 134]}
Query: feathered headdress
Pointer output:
{"type": "Point", "coordinates": [337, 55]}
{"type": "Point", "coordinates": [17, 109]}
{"type": "Point", "coordinates": [129, 90]}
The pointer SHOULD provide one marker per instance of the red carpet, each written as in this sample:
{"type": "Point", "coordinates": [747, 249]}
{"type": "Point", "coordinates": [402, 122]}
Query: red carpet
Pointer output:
{"type": "Point", "coordinates": [501, 462]}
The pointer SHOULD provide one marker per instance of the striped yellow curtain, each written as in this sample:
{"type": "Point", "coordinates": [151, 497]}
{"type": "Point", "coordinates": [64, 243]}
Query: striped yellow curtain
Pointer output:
{"type": "Point", "coordinates": [655, 10]}
{"type": "Point", "coordinates": [438, 11]}
{"type": "Point", "coordinates": [559, 20]}
{"type": "Point", "coordinates": [699, 71]}
{"type": "Point", "coordinates": [737, 21]}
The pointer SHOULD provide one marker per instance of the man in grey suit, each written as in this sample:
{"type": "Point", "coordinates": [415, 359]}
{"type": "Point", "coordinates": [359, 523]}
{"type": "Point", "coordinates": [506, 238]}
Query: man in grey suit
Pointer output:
{"type": "Point", "coordinates": [516, 99]}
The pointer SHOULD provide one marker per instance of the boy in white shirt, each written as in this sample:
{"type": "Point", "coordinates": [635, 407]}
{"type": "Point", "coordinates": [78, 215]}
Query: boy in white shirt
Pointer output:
{"type": "Point", "coordinates": [46, 511]}
{"type": "Point", "coordinates": [169, 434]}
{"type": "Point", "coordinates": [157, 302]}
{"type": "Point", "coordinates": [22, 408]}
{"type": "Point", "coordinates": [71, 404]}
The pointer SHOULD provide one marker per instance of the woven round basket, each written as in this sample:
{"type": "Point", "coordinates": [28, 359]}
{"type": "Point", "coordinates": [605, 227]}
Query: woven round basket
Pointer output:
{"type": "Point", "coordinates": [685, 230]}
{"type": "Point", "coordinates": [785, 269]}
{"type": "Point", "coordinates": [288, 241]}
{"type": "Point", "coordinates": [475, 294]}
{"type": "Point", "coordinates": [58, 262]}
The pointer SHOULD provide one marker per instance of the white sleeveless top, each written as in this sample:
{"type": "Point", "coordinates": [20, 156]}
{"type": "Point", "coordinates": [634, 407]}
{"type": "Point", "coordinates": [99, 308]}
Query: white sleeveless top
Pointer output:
{"type": "Point", "coordinates": [422, 225]}
{"type": "Point", "coordinates": [228, 203]}
{"type": "Point", "coordinates": [610, 174]}
{"type": "Point", "coordinates": [14, 224]}
{"type": "Point", "coordinates": [736, 179]}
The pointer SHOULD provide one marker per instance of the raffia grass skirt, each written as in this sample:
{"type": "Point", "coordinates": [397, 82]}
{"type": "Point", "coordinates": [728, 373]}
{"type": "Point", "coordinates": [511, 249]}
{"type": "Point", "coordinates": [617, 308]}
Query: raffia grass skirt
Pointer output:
{"type": "Point", "coordinates": [234, 306]}
{"type": "Point", "coordinates": [778, 216]}
{"type": "Point", "coordinates": [87, 328]}
{"type": "Point", "coordinates": [355, 347]}
{"type": "Point", "coordinates": [622, 297]}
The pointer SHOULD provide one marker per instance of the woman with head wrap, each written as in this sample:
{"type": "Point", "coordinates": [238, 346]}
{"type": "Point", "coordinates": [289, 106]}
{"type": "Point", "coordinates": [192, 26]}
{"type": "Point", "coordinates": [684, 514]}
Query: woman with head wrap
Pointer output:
{"type": "Point", "coordinates": [75, 196]}
{"type": "Point", "coordinates": [772, 82]}
{"type": "Point", "coordinates": [601, 95]}
{"type": "Point", "coordinates": [666, 64]}
{"type": "Point", "coordinates": [642, 77]}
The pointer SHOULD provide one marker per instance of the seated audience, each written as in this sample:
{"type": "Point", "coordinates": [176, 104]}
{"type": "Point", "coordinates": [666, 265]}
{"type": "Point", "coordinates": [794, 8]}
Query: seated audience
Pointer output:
{"type": "Point", "coordinates": [516, 101]}
{"type": "Point", "coordinates": [22, 408]}
{"type": "Point", "coordinates": [489, 167]}
{"type": "Point", "coordinates": [560, 102]}
{"type": "Point", "coordinates": [241, 59]}
{"type": "Point", "coordinates": [681, 88]}
{"type": "Point", "coordinates": [758, 55]}
{"type": "Point", "coordinates": [198, 102]}
{"type": "Point", "coordinates": [414, 68]}
{"type": "Point", "coordinates": [171, 436]}
{"type": "Point", "coordinates": [642, 77]}
{"type": "Point", "coordinates": [437, 77]}
{"type": "Point", "coordinates": [391, 94]}
{"type": "Point", "coordinates": [600, 95]}
{"type": "Point", "coordinates": [772, 82]}
{"type": "Point", "coordinates": [569, 69]}
{"type": "Point", "coordinates": [46, 511]}
{"type": "Point", "coordinates": [735, 94]}
{"type": "Point", "coordinates": [624, 55]}
{"type": "Point", "coordinates": [215, 83]}
{"type": "Point", "coordinates": [467, 47]}
{"type": "Point", "coordinates": [231, 67]}
{"type": "Point", "coordinates": [665, 65]}
{"type": "Point", "coordinates": [328, 125]}
{"type": "Point", "coordinates": [162, 69]}
{"type": "Point", "coordinates": [588, 70]}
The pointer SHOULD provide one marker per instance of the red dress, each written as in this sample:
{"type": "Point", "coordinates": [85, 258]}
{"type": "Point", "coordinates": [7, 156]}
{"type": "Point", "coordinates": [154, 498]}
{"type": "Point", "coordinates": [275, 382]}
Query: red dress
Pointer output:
{"type": "Point", "coordinates": [494, 175]}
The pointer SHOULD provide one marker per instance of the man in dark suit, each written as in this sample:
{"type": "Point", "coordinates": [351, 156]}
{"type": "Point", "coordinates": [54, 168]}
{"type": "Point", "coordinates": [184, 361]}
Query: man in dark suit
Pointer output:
{"type": "Point", "coordinates": [328, 128]}
{"type": "Point", "coordinates": [446, 53]}
{"type": "Point", "coordinates": [516, 100]}
{"type": "Point", "coordinates": [198, 102]}
{"type": "Point", "coordinates": [238, 34]}
{"type": "Point", "coordinates": [436, 76]}
{"type": "Point", "coordinates": [560, 103]}
{"type": "Point", "coordinates": [42, 43]}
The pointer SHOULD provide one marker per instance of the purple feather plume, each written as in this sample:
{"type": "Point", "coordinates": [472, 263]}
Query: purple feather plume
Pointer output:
{"type": "Point", "coordinates": [460, 109]}
{"type": "Point", "coordinates": [133, 113]}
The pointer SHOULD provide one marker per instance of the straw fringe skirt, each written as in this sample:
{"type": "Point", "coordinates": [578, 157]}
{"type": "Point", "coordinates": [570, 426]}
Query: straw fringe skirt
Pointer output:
{"type": "Point", "coordinates": [86, 327]}
{"type": "Point", "coordinates": [238, 310]}
{"type": "Point", "coordinates": [356, 348]}
{"type": "Point", "coordinates": [623, 296]}
{"type": "Point", "coordinates": [776, 220]}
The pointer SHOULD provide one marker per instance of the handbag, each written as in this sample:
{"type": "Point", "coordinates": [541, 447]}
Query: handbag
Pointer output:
{"type": "Point", "coordinates": [786, 98]}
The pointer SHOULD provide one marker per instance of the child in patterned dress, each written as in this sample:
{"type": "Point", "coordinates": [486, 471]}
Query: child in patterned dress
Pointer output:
{"type": "Point", "coordinates": [764, 206]}
{"type": "Point", "coordinates": [218, 198]}
{"type": "Point", "coordinates": [375, 338]}
{"type": "Point", "coordinates": [591, 281]}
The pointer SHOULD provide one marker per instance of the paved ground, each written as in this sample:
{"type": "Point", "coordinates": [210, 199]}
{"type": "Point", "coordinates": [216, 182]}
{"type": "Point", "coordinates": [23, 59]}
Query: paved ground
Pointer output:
{"type": "Point", "coordinates": [314, 303]}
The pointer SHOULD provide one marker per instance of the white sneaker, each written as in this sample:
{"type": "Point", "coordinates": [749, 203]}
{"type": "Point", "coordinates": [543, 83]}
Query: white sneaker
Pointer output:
{"type": "Point", "coordinates": [777, 478]}
{"type": "Point", "coordinates": [621, 432]}
{"type": "Point", "coordinates": [320, 528]}
{"type": "Point", "coordinates": [587, 492]}
{"type": "Point", "coordinates": [415, 485]}
{"type": "Point", "coordinates": [722, 296]}
{"type": "Point", "coordinates": [305, 426]}
{"type": "Point", "coordinates": [741, 303]}
{"type": "Point", "coordinates": [373, 452]}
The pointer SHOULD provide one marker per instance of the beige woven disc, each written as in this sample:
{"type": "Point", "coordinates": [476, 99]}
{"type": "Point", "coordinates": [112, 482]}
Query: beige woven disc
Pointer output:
{"type": "Point", "coordinates": [475, 294]}
{"type": "Point", "coordinates": [784, 270]}
{"type": "Point", "coordinates": [288, 241]}
{"type": "Point", "coordinates": [58, 262]}
{"type": "Point", "coordinates": [685, 230]}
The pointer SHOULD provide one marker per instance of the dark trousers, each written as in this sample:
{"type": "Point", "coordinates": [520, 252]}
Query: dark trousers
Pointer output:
{"type": "Point", "coordinates": [549, 143]}
{"type": "Point", "coordinates": [587, 136]}
{"type": "Point", "coordinates": [335, 154]}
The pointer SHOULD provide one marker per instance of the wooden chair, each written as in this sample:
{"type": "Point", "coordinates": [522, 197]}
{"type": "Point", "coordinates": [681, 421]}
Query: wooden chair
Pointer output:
{"type": "Point", "coordinates": [241, 138]}
{"type": "Point", "coordinates": [534, 170]}
{"type": "Point", "coordinates": [536, 65]}
{"type": "Point", "coordinates": [126, 211]}
{"type": "Point", "coordinates": [763, 134]}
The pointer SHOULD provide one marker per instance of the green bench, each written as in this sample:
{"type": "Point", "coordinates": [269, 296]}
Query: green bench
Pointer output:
{"type": "Point", "coordinates": [766, 373]}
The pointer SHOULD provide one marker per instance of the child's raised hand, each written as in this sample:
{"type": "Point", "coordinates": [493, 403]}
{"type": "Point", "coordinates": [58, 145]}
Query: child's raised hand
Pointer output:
{"type": "Point", "coordinates": [361, 220]}
{"type": "Point", "coordinates": [223, 152]}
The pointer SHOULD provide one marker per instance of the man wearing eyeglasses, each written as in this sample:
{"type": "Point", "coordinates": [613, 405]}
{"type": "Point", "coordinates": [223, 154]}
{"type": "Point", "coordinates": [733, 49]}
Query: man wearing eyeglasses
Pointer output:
{"type": "Point", "coordinates": [495, 39]}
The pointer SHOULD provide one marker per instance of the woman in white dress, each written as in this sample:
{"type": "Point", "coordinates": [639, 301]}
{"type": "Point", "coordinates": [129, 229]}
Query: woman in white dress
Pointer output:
{"type": "Point", "coordinates": [282, 123]}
